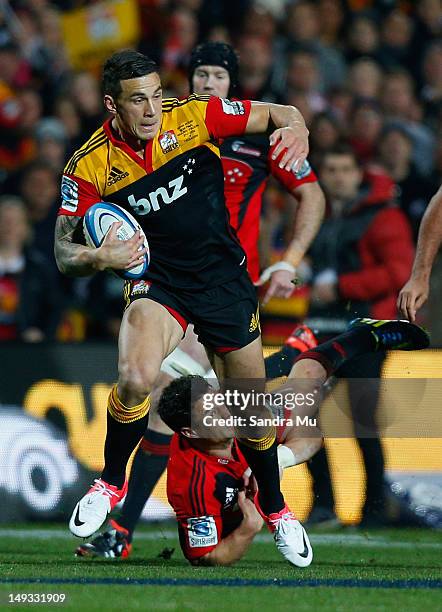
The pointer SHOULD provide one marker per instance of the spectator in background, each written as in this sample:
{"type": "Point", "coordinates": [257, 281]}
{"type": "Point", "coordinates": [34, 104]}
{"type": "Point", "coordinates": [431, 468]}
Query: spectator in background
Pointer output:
{"type": "Point", "coordinates": [331, 18]}
{"type": "Point", "coordinates": [85, 93]}
{"type": "Point", "coordinates": [431, 91]}
{"type": "Point", "coordinates": [16, 146]}
{"type": "Point", "coordinates": [413, 189]}
{"type": "Point", "coordinates": [365, 127]}
{"type": "Point", "coordinates": [360, 259]}
{"type": "Point", "coordinates": [256, 69]}
{"type": "Point", "coordinates": [428, 27]}
{"type": "Point", "coordinates": [303, 31]}
{"type": "Point", "coordinates": [325, 133]}
{"type": "Point", "coordinates": [396, 35]}
{"type": "Point", "coordinates": [400, 106]}
{"type": "Point", "coordinates": [340, 102]}
{"type": "Point", "coordinates": [303, 77]}
{"type": "Point", "coordinates": [40, 190]}
{"type": "Point", "coordinates": [182, 36]}
{"type": "Point", "coordinates": [51, 141]}
{"type": "Point", "coordinates": [29, 306]}
{"type": "Point", "coordinates": [365, 79]}
{"type": "Point", "coordinates": [362, 39]}
{"type": "Point", "coordinates": [67, 112]}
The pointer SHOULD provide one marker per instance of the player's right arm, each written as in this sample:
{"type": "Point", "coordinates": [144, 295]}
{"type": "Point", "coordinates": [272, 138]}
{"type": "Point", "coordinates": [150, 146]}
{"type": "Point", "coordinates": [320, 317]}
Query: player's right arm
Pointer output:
{"type": "Point", "coordinates": [235, 545]}
{"type": "Point", "coordinates": [224, 118]}
{"type": "Point", "coordinates": [415, 292]}
{"type": "Point", "coordinates": [75, 259]}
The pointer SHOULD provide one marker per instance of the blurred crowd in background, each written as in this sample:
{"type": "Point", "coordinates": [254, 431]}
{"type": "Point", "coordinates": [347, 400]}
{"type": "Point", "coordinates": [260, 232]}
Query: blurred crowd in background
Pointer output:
{"type": "Point", "coordinates": [365, 72]}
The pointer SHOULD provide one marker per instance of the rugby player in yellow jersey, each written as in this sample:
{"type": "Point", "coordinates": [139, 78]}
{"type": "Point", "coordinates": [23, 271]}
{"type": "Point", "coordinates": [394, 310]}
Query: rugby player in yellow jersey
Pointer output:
{"type": "Point", "coordinates": [156, 158]}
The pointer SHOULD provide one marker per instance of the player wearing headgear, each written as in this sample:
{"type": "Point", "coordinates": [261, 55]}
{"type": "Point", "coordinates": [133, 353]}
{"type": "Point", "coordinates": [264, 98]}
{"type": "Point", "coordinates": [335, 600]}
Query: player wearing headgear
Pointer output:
{"type": "Point", "coordinates": [171, 179]}
{"type": "Point", "coordinates": [248, 162]}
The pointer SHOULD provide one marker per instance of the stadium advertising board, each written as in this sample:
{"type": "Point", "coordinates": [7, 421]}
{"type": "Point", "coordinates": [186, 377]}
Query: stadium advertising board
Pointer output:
{"type": "Point", "coordinates": [53, 411]}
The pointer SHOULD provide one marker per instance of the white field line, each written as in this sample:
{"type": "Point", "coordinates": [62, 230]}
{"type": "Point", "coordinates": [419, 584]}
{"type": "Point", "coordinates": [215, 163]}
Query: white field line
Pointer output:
{"type": "Point", "coordinates": [330, 539]}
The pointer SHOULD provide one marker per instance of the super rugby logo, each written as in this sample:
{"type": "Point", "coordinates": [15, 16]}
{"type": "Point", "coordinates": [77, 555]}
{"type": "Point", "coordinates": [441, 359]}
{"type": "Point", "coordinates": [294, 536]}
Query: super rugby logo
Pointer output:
{"type": "Point", "coordinates": [235, 107]}
{"type": "Point", "coordinates": [144, 206]}
{"type": "Point", "coordinates": [69, 194]}
{"type": "Point", "coordinates": [201, 531]}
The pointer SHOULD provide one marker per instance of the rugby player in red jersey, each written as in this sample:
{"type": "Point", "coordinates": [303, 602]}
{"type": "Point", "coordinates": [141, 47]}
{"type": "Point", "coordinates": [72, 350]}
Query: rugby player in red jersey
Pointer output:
{"type": "Point", "coordinates": [206, 469]}
{"type": "Point", "coordinates": [207, 482]}
{"type": "Point", "coordinates": [248, 161]}
{"type": "Point", "coordinates": [171, 179]}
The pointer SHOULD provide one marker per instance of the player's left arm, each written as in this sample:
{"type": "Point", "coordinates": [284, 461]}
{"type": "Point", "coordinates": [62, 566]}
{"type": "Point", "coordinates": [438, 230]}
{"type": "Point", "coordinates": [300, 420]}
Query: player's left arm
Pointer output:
{"type": "Point", "coordinates": [290, 135]}
{"type": "Point", "coordinates": [309, 215]}
{"type": "Point", "coordinates": [235, 545]}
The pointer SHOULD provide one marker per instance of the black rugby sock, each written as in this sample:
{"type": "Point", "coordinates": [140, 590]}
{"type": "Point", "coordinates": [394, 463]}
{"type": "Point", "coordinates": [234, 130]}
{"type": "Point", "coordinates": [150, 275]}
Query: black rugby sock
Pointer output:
{"type": "Point", "coordinates": [265, 468]}
{"type": "Point", "coordinates": [149, 463]}
{"type": "Point", "coordinates": [337, 351]}
{"type": "Point", "coordinates": [125, 427]}
{"type": "Point", "coordinates": [121, 439]}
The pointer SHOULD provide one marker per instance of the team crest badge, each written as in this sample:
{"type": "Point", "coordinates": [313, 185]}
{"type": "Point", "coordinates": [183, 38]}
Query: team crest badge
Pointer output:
{"type": "Point", "coordinates": [168, 141]}
{"type": "Point", "coordinates": [140, 287]}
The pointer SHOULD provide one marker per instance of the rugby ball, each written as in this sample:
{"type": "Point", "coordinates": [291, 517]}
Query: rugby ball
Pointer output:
{"type": "Point", "coordinates": [97, 222]}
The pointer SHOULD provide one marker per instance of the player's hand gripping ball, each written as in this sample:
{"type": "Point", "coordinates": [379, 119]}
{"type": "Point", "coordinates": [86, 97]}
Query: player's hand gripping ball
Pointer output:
{"type": "Point", "coordinates": [98, 221]}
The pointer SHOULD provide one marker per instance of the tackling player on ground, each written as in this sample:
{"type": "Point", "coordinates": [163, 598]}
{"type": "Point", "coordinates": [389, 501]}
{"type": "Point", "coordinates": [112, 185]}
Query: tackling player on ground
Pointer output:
{"type": "Point", "coordinates": [171, 179]}
{"type": "Point", "coordinates": [217, 518]}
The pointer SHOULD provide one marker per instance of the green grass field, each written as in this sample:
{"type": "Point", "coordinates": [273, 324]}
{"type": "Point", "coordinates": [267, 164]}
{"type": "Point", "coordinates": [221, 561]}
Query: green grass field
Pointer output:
{"type": "Point", "coordinates": [352, 570]}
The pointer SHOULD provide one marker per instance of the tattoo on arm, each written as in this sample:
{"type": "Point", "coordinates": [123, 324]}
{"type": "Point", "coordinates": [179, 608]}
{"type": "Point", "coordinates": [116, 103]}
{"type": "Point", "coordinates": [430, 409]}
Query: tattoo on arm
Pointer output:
{"type": "Point", "coordinates": [71, 256]}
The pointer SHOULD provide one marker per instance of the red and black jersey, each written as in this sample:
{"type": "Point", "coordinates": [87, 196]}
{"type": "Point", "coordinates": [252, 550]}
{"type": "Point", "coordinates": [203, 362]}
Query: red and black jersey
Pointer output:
{"type": "Point", "coordinates": [247, 164]}
{"type": "Point", "coordinates": [203, 491]}
{"type": "Point", "coordinates": [175, 192]}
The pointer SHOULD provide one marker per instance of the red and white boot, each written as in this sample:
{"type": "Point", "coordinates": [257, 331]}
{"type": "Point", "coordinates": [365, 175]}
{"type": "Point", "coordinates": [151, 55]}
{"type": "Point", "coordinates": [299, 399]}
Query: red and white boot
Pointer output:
{"type": "Point", "coordinates": [290, 536]}
{"type": "Point", "coordinates": [92, 509]}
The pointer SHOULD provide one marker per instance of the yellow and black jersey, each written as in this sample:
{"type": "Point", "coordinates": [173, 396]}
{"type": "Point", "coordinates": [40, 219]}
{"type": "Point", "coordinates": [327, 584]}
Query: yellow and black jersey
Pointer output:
{"type": "Point", "coordinates": [176, 192]}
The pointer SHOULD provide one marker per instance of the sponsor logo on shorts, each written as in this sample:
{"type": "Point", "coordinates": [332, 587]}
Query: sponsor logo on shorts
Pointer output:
{"type": "Point", "coordinates": [69, 194]}
{"type": "Point", "coordinates": [168, 141]}
{"type": "Point", "coordinates": [254, 322]}
{"type": "Point", "coordinates": [140, 287]}
{"type": "Point", "coordinates": [234, 107]}
{"type": "Point", "coordinates": [116, 175]}
{"type": "Point", "coordinates": [201, 531]}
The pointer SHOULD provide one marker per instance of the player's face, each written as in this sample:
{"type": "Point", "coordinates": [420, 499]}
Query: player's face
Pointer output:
{"type": "Point", "coordinates": [340, 176]}
{"type": "Point", "coordinates": [138, 107]}
{"type": "Point", "coordinates": [212, 80]}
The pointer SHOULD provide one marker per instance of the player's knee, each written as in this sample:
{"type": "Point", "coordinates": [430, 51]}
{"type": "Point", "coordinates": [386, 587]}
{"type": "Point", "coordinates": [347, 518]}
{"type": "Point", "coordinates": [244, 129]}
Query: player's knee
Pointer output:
{"type": "Point", "coordinates": [136, 380]}
{"type": "Point", "coordinates": [308, 369]}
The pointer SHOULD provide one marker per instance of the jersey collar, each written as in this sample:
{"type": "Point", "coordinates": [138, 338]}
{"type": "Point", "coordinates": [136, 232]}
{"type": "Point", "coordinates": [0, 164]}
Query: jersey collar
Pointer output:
{"type": "Point", "coordinates": [145, 163]}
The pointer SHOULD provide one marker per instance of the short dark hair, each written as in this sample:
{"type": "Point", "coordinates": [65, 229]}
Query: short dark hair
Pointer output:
{"type": "Point", "coordinates": [341, 148]}
{"type": "Point", "coordinates": [126, 64]}
{"type": "Point", "coordinates": [175, 405]}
